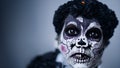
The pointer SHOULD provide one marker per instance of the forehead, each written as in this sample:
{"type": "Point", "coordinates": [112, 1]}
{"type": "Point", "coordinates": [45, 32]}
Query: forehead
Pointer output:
{"type": "Point", "coordinates": [81, 22]}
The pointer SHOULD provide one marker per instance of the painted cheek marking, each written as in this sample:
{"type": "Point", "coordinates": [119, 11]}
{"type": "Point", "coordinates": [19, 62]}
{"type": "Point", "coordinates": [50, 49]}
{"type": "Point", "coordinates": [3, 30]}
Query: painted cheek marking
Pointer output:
{"type": "Point", "coordinates": [64, 48]}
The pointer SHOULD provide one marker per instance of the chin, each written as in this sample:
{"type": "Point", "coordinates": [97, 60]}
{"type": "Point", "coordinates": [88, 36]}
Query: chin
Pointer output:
{"type": "Point", "coordinates": [77, 65]}
{"type": "Point", "coordinates": [80, 60]}
{"type": "Point", "coordinates": [83, 60]}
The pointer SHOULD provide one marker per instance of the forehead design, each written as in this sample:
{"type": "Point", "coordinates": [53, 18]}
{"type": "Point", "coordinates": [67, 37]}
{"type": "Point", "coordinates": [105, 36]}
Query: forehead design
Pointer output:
{"type": "Point", "coordinates": [70, 19]}
{"type": "Point", "coordinates": [81, 22]}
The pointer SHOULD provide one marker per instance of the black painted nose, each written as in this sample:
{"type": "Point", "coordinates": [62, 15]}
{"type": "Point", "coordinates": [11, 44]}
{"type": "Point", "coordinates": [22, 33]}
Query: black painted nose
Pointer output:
{"type": "Point", "coordinates": [81, 42]}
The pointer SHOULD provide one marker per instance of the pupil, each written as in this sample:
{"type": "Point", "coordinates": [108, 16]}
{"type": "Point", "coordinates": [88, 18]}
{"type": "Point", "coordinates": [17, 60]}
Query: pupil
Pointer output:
{"type": "Point", "coordinates": [93, 34]}
{"type": "Point", "coordinates": [71, 30]}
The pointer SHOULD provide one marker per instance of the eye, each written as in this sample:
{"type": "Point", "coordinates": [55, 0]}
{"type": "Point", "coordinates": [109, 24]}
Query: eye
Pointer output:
{"type": "Point", "coordinates": [71, 30]}
{"type": "Point", "coordinates": [94, 34]}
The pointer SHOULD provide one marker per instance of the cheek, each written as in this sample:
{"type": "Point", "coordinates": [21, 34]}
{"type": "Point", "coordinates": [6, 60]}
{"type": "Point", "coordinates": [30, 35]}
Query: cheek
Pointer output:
{"type": "Point", "coordinates": [97, 48]}
{"type": "Point", "coordinates": [64, 48]}
{"type": "Point", "coordinates": [95, 44]}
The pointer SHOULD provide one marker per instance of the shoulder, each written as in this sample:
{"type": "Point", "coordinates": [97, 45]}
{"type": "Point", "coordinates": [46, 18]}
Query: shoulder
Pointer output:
{"type": "Point", "coordinates": [44, 61]}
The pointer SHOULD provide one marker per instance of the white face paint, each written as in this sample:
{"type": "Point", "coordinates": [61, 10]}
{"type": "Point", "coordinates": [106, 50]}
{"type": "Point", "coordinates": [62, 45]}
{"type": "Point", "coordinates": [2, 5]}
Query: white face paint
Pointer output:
{"type": "Point", "coordinates": [81, 42]}
{"type": "Point", "coordinates": [80, 19]}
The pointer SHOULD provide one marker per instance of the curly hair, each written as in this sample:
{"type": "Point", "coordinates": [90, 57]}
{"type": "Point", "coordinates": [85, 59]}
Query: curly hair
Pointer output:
{"type": "Point", "coordinates": [88, 9]}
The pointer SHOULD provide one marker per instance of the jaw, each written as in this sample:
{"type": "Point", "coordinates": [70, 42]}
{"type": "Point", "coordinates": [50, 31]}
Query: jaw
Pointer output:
{"type": "Point", "coordinates": [80, 66]}
{"type": "Point", "coordinates": [82, 62]}
{"type": "Point", "coordinates": [79, 60]}
{"type": "Point", "coordinates": [85, 65]}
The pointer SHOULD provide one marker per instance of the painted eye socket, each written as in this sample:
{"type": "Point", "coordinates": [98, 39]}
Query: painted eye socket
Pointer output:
{"type": "Point", "coordinates": [71, 30]}
{"type": "Point", "coordinates": [94, 34]}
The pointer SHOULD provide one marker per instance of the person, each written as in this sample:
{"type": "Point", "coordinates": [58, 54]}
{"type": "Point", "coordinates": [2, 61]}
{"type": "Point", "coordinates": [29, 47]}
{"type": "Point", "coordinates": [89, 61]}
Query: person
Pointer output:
{"type": "Point", "coordinates": [83, 29]}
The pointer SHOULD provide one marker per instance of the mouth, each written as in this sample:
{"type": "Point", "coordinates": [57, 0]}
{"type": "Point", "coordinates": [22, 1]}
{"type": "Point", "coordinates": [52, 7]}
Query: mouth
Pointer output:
{"type": "Point", "coordinates": [80, 57]}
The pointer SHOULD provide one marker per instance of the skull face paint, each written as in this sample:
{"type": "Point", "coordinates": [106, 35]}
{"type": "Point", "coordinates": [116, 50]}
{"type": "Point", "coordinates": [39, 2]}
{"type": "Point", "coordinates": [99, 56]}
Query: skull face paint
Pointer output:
{"type": "Point", "coordinates": [80, 42]}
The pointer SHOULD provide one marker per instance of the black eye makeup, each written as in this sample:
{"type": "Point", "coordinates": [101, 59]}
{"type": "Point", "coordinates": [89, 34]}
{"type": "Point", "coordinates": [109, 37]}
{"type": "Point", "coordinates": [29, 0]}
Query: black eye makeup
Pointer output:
{"type": "Point", "coordinates": [94, 34]}
{"type": "Point", "coordinates": [71, 30]}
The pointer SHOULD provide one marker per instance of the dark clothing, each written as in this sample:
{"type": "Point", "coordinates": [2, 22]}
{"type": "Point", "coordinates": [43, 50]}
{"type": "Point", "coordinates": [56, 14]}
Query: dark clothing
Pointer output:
{"type": "Point", "coordinates": [47, 60]}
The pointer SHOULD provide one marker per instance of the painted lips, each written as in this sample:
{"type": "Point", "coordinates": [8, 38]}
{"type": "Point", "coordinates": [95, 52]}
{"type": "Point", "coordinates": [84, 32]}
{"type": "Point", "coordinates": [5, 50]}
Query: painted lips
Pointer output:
{"type": "Point", "coordinates": [80, 57]}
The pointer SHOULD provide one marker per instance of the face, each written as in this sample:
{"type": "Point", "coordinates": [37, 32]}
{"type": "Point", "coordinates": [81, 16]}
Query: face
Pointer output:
{"type": "Point", "coordinates": [80, 42]}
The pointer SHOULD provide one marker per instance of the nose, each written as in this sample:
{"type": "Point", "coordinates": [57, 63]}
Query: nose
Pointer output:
{"type": "Point", "coordinates": [81, 42]}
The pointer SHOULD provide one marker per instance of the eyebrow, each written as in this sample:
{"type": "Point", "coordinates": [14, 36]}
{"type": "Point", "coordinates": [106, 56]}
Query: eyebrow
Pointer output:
{"type": "Point", "coordinates": [72, 22]}
{"type": "Point", "coordinates": [93, 25]}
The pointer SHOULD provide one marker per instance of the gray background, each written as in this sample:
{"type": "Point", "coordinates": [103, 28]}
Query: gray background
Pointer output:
{"type": "Point", "coordinates": [27, 31]}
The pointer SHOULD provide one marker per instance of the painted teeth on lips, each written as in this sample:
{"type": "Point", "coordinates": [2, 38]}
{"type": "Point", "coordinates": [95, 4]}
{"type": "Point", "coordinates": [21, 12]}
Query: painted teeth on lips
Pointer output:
{"type": "Point", "coordinates": [80, 57]}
